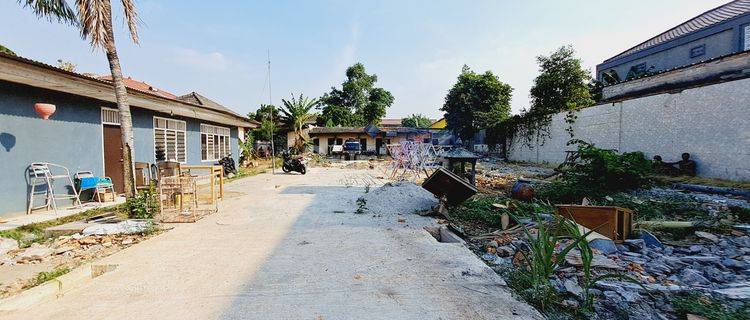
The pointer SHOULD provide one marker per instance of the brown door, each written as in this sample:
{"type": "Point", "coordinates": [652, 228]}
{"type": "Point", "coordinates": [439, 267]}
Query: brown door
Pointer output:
{"type": "Point", "coordinates": [113, 157]}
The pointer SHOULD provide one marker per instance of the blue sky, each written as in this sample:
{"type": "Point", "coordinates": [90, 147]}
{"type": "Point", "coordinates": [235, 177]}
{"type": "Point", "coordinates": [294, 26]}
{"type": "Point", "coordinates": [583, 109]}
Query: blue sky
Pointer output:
{"type": "Point", "coordinates": [417, 48]}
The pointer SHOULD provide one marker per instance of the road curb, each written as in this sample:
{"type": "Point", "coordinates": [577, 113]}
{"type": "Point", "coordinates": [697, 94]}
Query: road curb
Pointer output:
{"type": "Point", "coordinates": [52, 289]}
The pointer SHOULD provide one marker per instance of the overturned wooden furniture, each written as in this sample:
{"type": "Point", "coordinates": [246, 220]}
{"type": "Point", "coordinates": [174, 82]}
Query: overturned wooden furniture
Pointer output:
{"type": "Point", "coordinates": [612, 222]}
{"type": "Point", "coordinates": [449, 186]}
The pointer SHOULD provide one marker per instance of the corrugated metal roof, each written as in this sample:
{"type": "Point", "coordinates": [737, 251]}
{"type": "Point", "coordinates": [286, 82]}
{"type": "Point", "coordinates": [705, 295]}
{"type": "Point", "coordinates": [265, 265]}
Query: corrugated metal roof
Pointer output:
{"type": "Point", "coordinates": [319, 130]}
{"type": "Point", "coordinates": [709, 18]}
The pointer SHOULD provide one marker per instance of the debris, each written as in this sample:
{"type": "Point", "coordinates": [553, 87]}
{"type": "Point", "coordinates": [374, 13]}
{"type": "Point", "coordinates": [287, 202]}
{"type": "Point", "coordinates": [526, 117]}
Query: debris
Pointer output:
{"type": "Point", "coordinates": [693, 277]}
{"type": "Point", "coordinates": [599, 261]}
{"type": "Point", "coordinates": [7, 245]}
{"type": "Point", "coordinates": [604, 246]}
{"type": "Point", "coordinates": [36, 252]}
{"type": "Point", "coordinates": [445, 183]}
{"type": "Point", "coordinates": [612, 222]}
{"type": "Point", "coordinates": [707, 236]}
{"type": "Point", "coordinates": [124, 227]}
{"type": "Point", "coordinates": [650, 240]}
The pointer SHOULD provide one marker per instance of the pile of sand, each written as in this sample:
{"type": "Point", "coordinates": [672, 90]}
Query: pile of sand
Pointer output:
{"type": "Point", "coordinates": [399, 198]}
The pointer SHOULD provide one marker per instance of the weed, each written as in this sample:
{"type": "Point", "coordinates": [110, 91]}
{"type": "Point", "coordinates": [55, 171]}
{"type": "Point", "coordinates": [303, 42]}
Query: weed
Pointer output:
{"type": "Point", "coordinates": [144, 205]}
{"type": "Point", "coordinates": [43, 277]}
{"type": "Point", "coordinates": [543, 256]}
{"type": "Point", "coordinates": [709, 308]}
{"type": "Point", "coordinates": [361, 205]}
{"type": "Point", "coordinates": [740, 214]}
{"type": "Point", "coordinates": [31, 233]}
{"type": "Point", "coordinates": [595, 173]}
{"type": "Point", "coordinates": [480, 210]}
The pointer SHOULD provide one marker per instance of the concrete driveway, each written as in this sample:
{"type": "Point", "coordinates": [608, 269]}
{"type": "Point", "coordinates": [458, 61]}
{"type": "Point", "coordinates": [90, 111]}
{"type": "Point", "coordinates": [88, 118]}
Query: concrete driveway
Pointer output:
{"type": "Point", "coordinates": [290, 247]}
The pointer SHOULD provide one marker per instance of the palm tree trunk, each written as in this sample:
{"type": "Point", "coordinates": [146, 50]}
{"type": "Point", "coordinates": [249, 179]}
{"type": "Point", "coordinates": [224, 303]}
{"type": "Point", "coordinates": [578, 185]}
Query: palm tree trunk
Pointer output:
{"type": "Point", "coordinates": [121, 94]}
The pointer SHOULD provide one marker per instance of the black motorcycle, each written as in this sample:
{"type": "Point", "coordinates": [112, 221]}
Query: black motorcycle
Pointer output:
{"type": "Point", "coordinates": [228, 164]}
{"type": "Point", "coordinates": [293, 164]}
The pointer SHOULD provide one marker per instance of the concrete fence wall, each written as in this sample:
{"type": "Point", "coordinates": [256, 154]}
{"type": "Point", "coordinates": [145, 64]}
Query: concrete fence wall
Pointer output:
{"type": "Point", "coordinates": [712, 123]}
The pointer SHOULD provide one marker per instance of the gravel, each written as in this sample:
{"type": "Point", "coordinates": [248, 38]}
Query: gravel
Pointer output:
{"type": "Point", "coordinates": [399, 198]}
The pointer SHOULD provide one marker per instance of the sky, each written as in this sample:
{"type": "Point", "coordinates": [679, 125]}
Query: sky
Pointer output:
{"type": "Point", "coordinates": [417, 48]}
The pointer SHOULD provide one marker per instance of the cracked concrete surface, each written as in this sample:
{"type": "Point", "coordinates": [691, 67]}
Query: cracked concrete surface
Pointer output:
{"type": "Point", "coordinates": [291, 247]}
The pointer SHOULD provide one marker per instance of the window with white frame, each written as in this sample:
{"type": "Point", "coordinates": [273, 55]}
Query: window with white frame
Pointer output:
{"type": "Point", "coordinates": [214, 142]}
{"type": "Point", "coordinates": [169, 138]}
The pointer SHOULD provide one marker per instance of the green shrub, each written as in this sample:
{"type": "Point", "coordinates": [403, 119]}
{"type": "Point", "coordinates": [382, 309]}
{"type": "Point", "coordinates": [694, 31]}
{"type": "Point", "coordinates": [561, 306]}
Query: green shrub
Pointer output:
{"type": "Point", "coordinates": [480, 210]}
{"type": "Point", "coordinates": [143, 205]}
{"type": "Point", "coordinates": [595, 173]}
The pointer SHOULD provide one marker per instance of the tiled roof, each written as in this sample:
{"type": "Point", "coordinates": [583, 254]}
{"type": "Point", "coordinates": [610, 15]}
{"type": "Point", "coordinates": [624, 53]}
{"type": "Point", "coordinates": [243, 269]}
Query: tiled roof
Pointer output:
{"type": "Point", "coordinates": [94, 78]}
{"type": "Point", "coordinates": [709, 18]}
{"type": "Point", "coordinates": [196, 98]}
{"type": "Point", "coordinates": [390, 122]}
{"type": "Point", "coordinates": [141, 86]}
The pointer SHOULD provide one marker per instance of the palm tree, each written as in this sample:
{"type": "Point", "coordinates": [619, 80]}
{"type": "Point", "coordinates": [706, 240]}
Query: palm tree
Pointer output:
{"type": "Point", "coordinates": [94, 20]}
{"type": "Point", "coordinates": [295, 114]}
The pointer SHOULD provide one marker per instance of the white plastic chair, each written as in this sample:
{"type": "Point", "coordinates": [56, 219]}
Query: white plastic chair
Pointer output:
{"type": "Point", "coordinates": [46, 174]}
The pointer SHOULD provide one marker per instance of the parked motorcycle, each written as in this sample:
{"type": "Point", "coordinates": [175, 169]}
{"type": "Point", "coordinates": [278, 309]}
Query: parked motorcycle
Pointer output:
{"type": "Point", "coordinates": [293, 163]}
{"type": "Point", "coordinates": [228, 164]}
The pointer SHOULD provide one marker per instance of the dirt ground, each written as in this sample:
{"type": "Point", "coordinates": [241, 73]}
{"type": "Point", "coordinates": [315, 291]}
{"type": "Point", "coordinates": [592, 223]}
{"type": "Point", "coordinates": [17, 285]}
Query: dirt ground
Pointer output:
{"type": "Point", "coordinates": [291, 247]}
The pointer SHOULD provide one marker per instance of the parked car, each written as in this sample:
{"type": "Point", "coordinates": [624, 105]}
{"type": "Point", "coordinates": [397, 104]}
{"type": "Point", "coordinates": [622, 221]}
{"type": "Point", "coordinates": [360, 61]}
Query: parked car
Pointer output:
{"type": "Point", "coordinates": [351, 150]}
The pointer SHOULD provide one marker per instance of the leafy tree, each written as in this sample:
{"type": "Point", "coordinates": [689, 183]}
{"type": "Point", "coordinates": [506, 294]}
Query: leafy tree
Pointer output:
{"type": "Point", "coordinates": [266, 130]}
{"type": "Point", "coordinates": [562, 84]}
{"type": "Point", "coordinates": [357, 103]}
{"type": "Point", "coordinates": [93, 19]}
{"type": "Point", "coordinates": [5, 50]}
{"type": "Point", "coordinates": [416, 121]}
{"type": "Point", "coordinates": [476, 102]}
{"type": "Point", "coordinates": [66, 65]}
{"type": "Point", "coordinates": [295, 114]}
{"type": "Point", "coordinates": [265, 111]}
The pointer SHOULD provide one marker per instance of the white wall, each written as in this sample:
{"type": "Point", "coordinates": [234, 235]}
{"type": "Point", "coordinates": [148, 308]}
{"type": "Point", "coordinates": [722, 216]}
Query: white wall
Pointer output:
{"type": "Point", "coordinates": [712, 123]}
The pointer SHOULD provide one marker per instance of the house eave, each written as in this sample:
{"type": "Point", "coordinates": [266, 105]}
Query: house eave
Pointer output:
{"type": "Point", "coordinates": [35, 74]}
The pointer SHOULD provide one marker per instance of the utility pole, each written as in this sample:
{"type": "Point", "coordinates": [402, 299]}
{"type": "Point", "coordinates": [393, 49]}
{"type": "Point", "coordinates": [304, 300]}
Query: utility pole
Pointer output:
{"type": "Point", "coordinates": [273, 125]}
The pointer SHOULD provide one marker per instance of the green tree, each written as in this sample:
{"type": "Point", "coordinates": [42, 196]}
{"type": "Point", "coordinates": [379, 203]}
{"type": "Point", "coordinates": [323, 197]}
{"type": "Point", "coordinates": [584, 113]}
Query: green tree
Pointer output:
{"type": "Point", "coordinates": [295, 114]}
{"type": "Point", "coordinates": [266, 130]}
{"type": "Point", "coordinates": [66, 65]}
{"type": "Point", "coordinates": [357, 103]}
{"type": "Point", "coordinates": [476, 102]}
{"type": "Point", "coordinates": [562, 84]}
{"type": "Point", "coordinates": [93, 19]}
{"type": "Point", "coordinates": [265, 111]}
{"type": "Point", "coordinates": [416, 121]}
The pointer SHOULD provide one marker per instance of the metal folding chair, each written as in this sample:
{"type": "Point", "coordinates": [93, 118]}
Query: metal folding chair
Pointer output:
{"type": "Point", "coordinates": [44, 174]}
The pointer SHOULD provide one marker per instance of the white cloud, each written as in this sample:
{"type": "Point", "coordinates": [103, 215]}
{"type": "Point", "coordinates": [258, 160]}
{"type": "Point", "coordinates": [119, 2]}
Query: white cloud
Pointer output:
{"type": "Point", "coordinates": [210, 61]}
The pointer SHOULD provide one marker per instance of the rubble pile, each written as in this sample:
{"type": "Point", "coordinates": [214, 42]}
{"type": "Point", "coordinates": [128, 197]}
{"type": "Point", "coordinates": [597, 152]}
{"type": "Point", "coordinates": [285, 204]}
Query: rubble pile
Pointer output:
{"type": "Point", "coordinates": [65, 251]}
{"type": "Point", "coordinates": [493, 173]}
{"type": "Point", "coordinates": [717, 265]}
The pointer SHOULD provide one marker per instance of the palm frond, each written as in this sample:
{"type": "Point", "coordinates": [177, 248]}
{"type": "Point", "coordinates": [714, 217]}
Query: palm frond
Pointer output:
{"type": "Point", "coordinates": [93, 16]}
{"type": "Point", "coordinates": [131, 15]}
{"type": "Point", "coordinates": [51, 10]}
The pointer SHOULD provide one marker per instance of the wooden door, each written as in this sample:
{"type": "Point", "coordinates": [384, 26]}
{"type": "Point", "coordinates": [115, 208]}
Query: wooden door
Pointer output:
{"type": "Point", "coordinates": [113, 157]}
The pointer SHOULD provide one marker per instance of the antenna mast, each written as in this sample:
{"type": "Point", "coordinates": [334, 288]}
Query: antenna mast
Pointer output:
{"type": "Point", "coordinates": [273, 149]}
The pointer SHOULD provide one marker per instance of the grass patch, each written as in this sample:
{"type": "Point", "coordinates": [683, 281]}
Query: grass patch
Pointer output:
{"type": "Point", "coordinates": [31, 233]}
{"type": "Point", "coordinates": [703, 181]}
{"type": "Point", "coordinates": [478, 212]}
{"type": "Point", "coordinates": [43, 276]}
{"type": "Point", "coordinates": [709, 308]}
